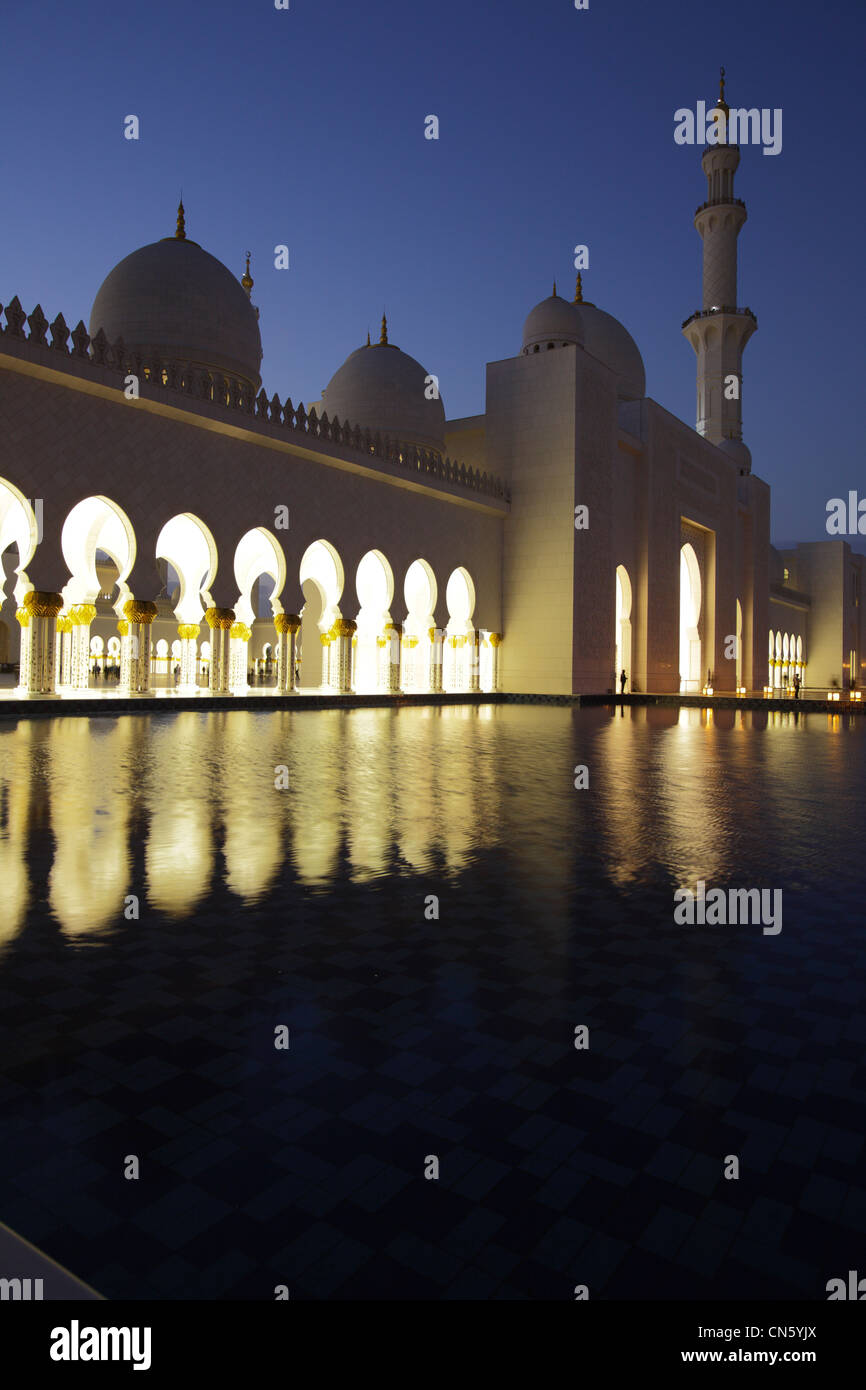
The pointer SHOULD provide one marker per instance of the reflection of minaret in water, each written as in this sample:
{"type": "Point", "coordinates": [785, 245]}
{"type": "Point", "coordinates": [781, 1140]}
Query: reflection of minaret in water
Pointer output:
{"type": "Point", "coordinates": [719, 331]}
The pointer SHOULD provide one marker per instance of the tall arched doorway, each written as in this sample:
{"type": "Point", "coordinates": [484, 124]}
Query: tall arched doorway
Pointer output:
{"type": "Point", "coordinates": [690, 617]}
{"type": "Point", "coordinates": [739, 645]}
{"type": "Point", "coordinates": [622, 627]}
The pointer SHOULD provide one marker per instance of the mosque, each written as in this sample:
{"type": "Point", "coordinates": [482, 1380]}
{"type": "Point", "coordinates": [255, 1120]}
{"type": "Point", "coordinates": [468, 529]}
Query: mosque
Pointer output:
{"type": "Point", "coordinates": [163, 517]}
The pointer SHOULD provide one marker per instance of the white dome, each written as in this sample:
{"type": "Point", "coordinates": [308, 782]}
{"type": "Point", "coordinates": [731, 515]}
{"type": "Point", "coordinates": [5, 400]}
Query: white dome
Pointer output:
{"type": "Point", "coordinates": [739, 454]}
{"type": "Point", "coordinates": [174, 301]}
{"type": "Point", "coordinates": [553, 321]}
{"type": "Point", "coordinates": [612, 344]}
{"type": "Point", "coordinates": [381, 388]}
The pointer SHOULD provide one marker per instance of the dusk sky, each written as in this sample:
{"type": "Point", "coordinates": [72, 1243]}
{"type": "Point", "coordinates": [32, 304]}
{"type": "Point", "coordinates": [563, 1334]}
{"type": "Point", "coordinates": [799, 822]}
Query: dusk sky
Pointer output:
{"type": "Point", "coordinates": [306, 127]}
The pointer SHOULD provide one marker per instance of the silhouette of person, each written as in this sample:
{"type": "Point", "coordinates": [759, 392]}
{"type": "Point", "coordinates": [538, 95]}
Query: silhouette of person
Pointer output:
{"type": "Point", "coordinates": [622, 681]}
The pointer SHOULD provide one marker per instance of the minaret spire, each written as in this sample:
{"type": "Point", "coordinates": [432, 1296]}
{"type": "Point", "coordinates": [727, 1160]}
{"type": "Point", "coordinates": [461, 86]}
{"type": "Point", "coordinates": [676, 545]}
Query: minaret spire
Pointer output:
{"type": "Point", "coordinates": [180, 233]}
{"type": "Point", "coordinates": [719, 330]}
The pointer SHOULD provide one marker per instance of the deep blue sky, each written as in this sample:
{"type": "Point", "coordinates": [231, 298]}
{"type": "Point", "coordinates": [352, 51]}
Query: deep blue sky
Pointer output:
{"type": "Point", "coordinates": [306, 127]}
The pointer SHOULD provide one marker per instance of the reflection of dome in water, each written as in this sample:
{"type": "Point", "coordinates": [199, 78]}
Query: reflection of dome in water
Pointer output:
{"type": "Point", "coordinates": [174, 301]}
{"type": "Point", "coordinates": [381, 388]}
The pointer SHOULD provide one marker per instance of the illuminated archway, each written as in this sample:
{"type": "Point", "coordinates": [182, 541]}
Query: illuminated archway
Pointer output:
{"type": "Point", "coordinates": [374, 582]}
{"type": "Point", "coordinates": [690, 617]}
{"type": "Point", "coordinates": [420, 592]}
{"type": "Point", "coordinates": [622, 629]}
{"type": "Point", "coordinates": [739, 645]}
{"type": "Point", "coordinates": [188, 546]}
{"type": "Point", "coordinates": [18, 527]}
{"type": "Point", "coordinates": [258, 556]}
{"type": "Point", "coordinates": [96, 524]}
{"type": "Point", "coordinates": [322, 579]}
{"type": "Point", "coordinates": [460, 661]}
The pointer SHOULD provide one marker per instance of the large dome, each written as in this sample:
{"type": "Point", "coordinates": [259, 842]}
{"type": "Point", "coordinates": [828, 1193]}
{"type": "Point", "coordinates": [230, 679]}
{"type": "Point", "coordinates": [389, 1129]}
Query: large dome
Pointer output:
{"type": "Point", "coordinates": [612, 344]}
{"type": "Point", "coordinates": [381, 388]}
{"type": "Point", "coordinates": [174, 301]}
{"type": "Point", "coordinates": [552, 323]}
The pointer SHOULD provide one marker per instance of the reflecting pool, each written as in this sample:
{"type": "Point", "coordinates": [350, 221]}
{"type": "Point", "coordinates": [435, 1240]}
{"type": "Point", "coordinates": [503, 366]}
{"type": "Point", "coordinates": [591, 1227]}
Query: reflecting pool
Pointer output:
{"type": "Point", "coordinates": [429, 904]}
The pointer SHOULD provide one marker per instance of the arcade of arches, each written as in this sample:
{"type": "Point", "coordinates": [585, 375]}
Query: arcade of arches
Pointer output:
{"type": "Point", "coordinates": [97, 628]}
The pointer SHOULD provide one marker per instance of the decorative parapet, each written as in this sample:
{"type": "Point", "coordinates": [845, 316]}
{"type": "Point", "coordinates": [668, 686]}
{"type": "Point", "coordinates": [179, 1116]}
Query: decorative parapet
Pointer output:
{"type": "Point", "coordinates": [238, 397]}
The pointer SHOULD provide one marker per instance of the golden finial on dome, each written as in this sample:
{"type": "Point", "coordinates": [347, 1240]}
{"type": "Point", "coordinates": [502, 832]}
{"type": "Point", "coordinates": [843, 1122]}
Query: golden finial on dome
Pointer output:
{"type": "Point", "coordinates": [554, 289]}
{"type": "Point", "coordinates": [383, 336]}
{"type": "Point", "coordinates": [180, 233]}
{"type": "Point", "coordinates": [578, 290]}
{"type": "Point", "coordinates": [368, 337]}
{"type": "Point", "coordinates": [246, 279]}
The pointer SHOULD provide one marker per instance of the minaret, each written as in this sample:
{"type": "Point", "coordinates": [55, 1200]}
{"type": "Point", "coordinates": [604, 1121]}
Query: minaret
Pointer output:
{"type": "Point", "coordinates": [719, 331]}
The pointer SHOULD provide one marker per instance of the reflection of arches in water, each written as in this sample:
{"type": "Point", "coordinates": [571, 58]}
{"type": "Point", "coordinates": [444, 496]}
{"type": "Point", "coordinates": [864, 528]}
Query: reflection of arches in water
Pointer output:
{"type": "Point", "coordinates": [374, 583]}
{"type": "Point", "coordinates": [622, 628]}
{"type": "Point", "coordinates": [460, 651]}
{"type": "Point", "coordinates": [690, 617]}
{"type": "Point", "coordinates": [420, 593]}
{"type": "Point", "coordinates": [321, 577]}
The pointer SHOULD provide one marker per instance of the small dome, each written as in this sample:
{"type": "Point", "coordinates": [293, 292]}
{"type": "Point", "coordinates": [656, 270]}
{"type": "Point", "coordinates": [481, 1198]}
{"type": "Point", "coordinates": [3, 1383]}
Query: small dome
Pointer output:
{"type": "Point", "coordinates": [174, 301]}
{"type": "Point", "coordinates": [739, 454]}
{"type": "Point", "coordinates": [613, 345]}
{"type": "Point", "coordinates": [554, 321]}
{"type": "Point", "coordinates": [382, 388]}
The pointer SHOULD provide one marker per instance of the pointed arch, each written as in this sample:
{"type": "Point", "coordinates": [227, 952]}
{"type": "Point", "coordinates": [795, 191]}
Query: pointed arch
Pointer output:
{"type": "Point", "coordinates": [18, 527]}
{"type": "Point", "coordinates": [96, 524]}
{"type": "Point", "coordinates": [258, 555]}
{"type": "Point", "coordinates": [691, 599]}
{"type": "Point", "coordinates": [622, 626]}
{"type": "Point", "coordinates": [374, 585]}
{"type": "Point", "coordinates": [187, 544]}
{"type": "Point", "coordinates": [322, 579]}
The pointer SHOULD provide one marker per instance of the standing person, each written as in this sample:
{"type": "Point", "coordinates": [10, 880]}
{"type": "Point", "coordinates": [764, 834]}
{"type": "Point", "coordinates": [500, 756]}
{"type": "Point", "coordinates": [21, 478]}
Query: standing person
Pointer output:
{"type": "Point", "coordinates": [797, 685]}
{"type": "Point", "coordinates": [622, 681]}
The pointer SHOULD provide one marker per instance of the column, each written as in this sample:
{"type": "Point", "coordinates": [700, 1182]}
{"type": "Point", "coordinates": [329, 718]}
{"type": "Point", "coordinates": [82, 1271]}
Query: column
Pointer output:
{"type": "Point", "coordinates": [287, 625]}
{"type": "Point", "coordinates": [393, 636]}
{"type": "Point", "coordinates": [43, 608]}
{"type": "Point", "coordinates": [80, 619]}
{"type": "Point", "coordinates": [239, 639]}
{"type": "Point", "coordinates": [343, 630]}
{"type": "Point", "coordinates": [64, 651]}
{"type": "Point", "coordinates": [496, 643]}
{"type": "Point", "coordinates": [220, 621]}
{"type": "Point", "coordinates": [437, 638]}
{"type": "Point", "coordinates": [139, 615]}
{"type": "Point", "coordinates": [23, 618]}
{"type": "Point", "coordinates": [325, 639]}
{"type": "Point", "coordinates": [125, 653]}
{"type": "Point", "coordinates": [188, 634]}
{"type": "Point", "coordinates": [474, 661]}
{"type": "Point", "coordinates": [410, 672]}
